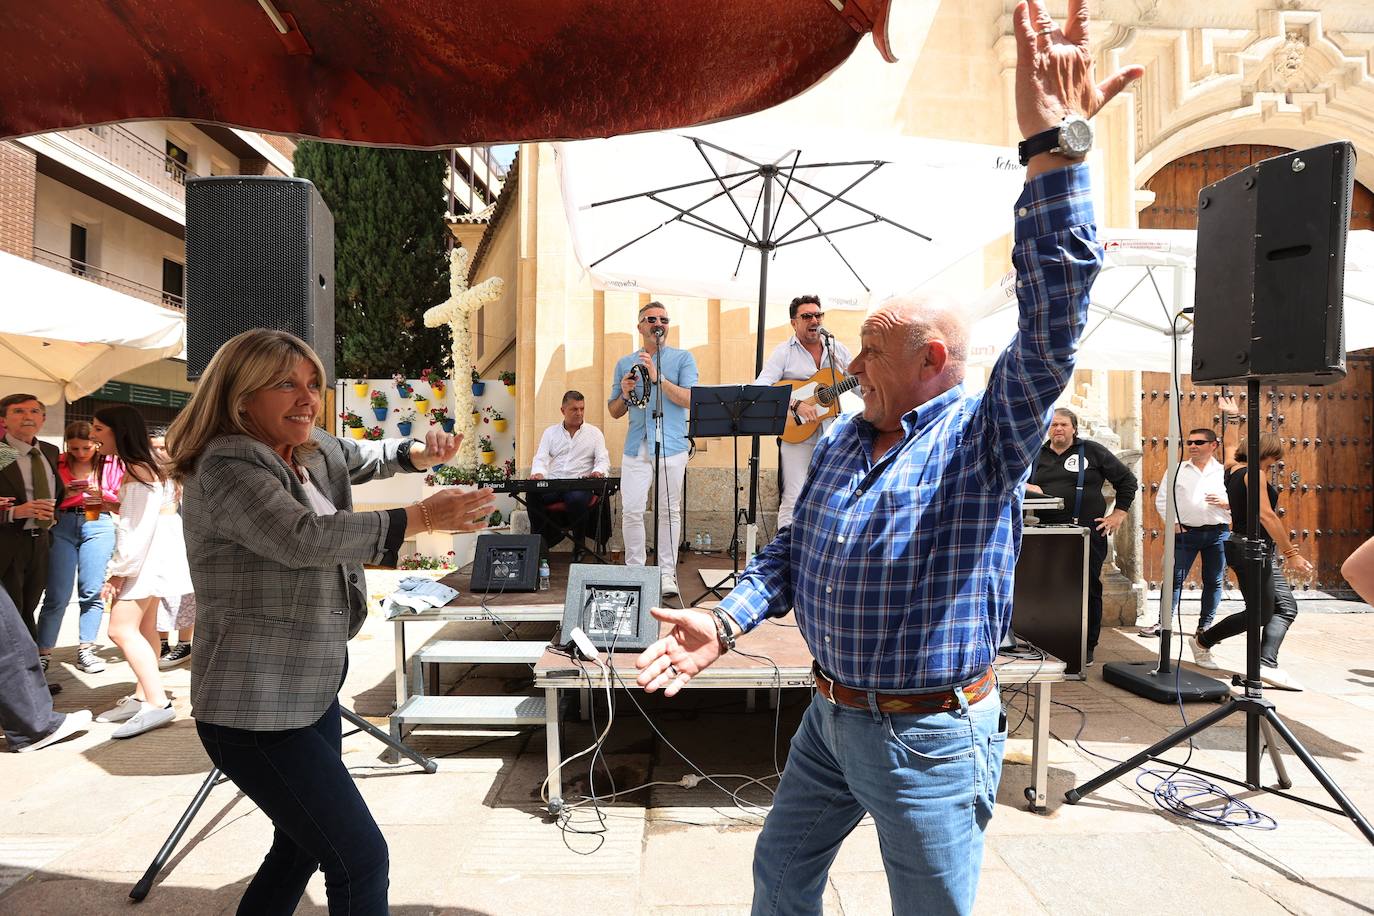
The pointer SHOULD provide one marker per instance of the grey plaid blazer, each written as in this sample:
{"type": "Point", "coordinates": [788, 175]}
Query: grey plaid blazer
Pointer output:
{"type": "Point", "coordinates": [280, 590]}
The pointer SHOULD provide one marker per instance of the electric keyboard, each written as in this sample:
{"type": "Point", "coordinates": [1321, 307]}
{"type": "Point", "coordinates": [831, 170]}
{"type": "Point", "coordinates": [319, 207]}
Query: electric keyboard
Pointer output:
{"type": "Point", "coordinates": [556, 485]}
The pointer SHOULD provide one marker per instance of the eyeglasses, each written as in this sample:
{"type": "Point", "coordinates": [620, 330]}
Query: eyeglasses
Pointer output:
{"type": "Point", "coordinates": [1199, 441]}
{"type": "Point", "coordinates": [811, 316]}
{"type": "Point", "coordinates": [655, 319]}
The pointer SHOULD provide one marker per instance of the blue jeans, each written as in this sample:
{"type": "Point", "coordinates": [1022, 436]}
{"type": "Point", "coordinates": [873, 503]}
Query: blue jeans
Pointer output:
{"type": "Point", "coordinates": [81, 550]}
{"type": "Point", "coordinates": [1211, 544]}
{"type": "Point", "coordinates": [928, 779]}
{"type": "Point", "coordinates": [298, 779]}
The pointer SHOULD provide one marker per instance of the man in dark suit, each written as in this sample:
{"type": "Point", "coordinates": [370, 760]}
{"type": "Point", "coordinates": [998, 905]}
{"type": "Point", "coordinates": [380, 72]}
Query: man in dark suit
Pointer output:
{"type": "Point", "coordinates": [28, 475]}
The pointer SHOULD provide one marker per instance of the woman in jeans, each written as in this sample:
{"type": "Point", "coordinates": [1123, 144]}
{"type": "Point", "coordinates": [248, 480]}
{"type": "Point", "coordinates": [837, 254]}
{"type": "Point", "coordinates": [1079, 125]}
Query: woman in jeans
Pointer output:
{"type": "Point", "coordinates": [1276, 605]}
{"type": "Point", "coordinates": [80, 548]}
{"type": "Point", "coordinates": [277, 556]}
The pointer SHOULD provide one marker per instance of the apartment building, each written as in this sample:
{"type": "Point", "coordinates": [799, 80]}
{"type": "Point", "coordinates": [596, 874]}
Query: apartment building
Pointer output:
{"type": "Point", "coordinates": [107, 204]}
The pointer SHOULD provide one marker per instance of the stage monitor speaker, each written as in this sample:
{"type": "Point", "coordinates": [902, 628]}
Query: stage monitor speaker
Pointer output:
{"type": "Point", "coordinates": [506, 563]}
{"type": "Point", "coordinates": [259, 254]}
{"type": "Point", "coordinates": [1271, 270]}
{"type": "Point", "coordinates": [612, 605]}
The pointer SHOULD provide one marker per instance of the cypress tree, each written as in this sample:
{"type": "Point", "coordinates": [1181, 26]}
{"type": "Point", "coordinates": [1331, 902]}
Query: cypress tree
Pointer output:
{"type": "Point", "coordinates": [390, 254]}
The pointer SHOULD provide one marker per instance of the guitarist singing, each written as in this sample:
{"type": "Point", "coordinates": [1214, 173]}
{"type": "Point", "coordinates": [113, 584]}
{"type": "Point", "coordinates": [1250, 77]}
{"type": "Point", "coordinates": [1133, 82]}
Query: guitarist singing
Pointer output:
{"type": "Point", "coordinates": [799, 358]}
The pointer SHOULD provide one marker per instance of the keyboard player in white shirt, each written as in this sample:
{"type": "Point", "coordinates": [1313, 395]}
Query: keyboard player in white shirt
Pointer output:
{"type": "Point", "coordinates": [1204, 520]}
{"type": "Point", "coordinates": [570, 449]}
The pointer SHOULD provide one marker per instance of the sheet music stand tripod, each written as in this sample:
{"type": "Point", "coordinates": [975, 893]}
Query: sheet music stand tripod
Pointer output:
{"type": "Point", "coordinates": [734, 411]}
{"type": "Point", "coordinates": [215, 776]}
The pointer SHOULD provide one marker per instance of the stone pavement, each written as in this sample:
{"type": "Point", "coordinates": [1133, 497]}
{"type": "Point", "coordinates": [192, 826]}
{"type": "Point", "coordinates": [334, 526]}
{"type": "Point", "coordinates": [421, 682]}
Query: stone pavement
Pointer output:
{"type": "Point", "coordinates": [83, 819]}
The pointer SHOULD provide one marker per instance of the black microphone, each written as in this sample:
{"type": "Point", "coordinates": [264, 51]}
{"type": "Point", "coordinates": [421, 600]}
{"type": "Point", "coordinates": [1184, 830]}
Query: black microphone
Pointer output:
{"type": "Point", "coordinates": [825, 333]}
{"type": "Point", "coordinates": [660, 331]}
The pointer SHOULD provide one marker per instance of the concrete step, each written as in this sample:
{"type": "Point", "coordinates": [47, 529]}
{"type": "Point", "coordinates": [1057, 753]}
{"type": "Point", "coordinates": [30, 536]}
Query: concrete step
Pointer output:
{"type": "Point", "coordinates": [481, 652]}
{"type": "Point", "coordinates": [471, 710]}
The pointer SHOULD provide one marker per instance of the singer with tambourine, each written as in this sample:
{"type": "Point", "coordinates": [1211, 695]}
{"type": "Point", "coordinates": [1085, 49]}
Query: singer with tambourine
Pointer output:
{"type": "Point", "coordinates": [653, 386]}
{"type": "Point", "coordinates": [813, 362]}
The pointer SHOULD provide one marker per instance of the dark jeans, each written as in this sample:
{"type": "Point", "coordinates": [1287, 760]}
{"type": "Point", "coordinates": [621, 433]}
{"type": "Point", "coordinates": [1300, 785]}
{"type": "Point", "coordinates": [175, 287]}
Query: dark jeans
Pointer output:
{"type": "Point", "coordinates": [1277, 607]}
{"type": "Point", "coordinates": [1187, 546]}
{"type": "Point", "coordinates": [298, 779]}
{"type": "Point", "coordinates": [577, 516]}
{"type": "Point", "coordinates": [1097, 555]}
{"type": "Point", "coordinates": [24, 572]}
{"type": "Point", "coordinates": [26, 713]}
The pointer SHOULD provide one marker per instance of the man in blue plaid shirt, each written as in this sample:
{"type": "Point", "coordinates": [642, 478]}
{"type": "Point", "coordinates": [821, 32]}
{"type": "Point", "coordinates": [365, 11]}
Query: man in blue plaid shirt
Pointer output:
{"type": "Point", "coordinates": [899, 559]}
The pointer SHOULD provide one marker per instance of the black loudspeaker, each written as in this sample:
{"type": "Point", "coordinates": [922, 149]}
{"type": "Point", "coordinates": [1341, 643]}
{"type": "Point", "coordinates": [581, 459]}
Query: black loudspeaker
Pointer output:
{"type": "Point", "coordinates": [506, 563]}
{"type": "Point", "coordinates": [259, 254]}
{"type": "Point", "coordinates": [1270, 277]}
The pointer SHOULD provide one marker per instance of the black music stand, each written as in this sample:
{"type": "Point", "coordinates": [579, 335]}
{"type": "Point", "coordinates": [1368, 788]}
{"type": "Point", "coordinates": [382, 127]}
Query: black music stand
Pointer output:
{"type": "Point", "coordinates": [732, 411]}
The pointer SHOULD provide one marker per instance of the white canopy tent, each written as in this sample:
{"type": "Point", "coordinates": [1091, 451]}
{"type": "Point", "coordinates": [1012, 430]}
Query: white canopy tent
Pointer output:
{"type": "Point", "coordinates": [852, 252]}
{"type": "Point", "coordinates": [64, 337]}
{"type": "Point", "coordinates": [1147, 276]}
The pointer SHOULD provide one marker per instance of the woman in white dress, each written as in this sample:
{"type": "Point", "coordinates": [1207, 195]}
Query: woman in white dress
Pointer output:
{"type": "Point", "coordinates": [149, 564]}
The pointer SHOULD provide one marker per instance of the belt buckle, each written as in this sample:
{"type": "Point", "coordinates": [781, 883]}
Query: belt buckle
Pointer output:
{"type": "Point", "coordinates": [820, 673]}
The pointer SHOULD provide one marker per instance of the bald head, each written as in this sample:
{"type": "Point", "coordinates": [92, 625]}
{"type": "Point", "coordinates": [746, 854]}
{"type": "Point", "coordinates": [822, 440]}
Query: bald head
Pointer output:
{"type": "Point", "coordinates": [913, 349]}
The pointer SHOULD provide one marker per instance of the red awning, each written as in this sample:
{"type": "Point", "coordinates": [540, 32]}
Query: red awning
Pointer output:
{"type": "Point", "coordinates": [419, 73]}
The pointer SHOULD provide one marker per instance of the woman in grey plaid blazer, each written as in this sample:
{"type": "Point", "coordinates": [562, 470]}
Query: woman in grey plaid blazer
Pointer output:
{"type": "Point", "coordinates": [276, 556]}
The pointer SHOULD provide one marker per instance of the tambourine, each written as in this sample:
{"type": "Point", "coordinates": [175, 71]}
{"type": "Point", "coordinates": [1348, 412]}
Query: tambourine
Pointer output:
{"type": "Point", "coordinates": [642, 384]}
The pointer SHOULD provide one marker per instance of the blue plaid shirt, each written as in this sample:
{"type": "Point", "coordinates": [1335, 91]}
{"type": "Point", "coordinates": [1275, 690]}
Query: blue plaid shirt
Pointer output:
{"type": "Point", "coordinates": [900, 571]}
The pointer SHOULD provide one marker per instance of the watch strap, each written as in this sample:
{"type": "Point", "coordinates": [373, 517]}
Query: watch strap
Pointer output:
{"type": "Point", "coordinates": [1036, 144]}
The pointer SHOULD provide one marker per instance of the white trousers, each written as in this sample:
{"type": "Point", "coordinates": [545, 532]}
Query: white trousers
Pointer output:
{"type": "Point", "coordinates": [636, 479]}
{"type": "Point", "coordinates": [795, 458]}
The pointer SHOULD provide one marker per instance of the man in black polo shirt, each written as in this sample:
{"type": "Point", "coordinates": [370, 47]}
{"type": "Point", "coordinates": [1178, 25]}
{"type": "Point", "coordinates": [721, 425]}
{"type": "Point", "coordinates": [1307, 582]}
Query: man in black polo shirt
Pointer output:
{"type": "Point", "coordinates": [1073, 469]}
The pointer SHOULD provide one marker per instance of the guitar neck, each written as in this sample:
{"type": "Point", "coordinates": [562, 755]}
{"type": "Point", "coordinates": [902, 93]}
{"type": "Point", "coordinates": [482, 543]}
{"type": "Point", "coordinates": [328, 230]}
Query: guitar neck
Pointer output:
{"type": "Point", "coordinates": [828, 395]}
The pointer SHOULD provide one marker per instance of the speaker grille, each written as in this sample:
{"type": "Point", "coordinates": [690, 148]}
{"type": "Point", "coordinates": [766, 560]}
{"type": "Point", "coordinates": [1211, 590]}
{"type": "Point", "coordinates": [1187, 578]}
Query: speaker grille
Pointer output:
{"type": "Point", "coordinates": [259, 254]}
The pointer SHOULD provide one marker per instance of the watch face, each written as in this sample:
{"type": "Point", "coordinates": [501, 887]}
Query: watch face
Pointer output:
{"type": "Point", "coordinates": [1076, 136]}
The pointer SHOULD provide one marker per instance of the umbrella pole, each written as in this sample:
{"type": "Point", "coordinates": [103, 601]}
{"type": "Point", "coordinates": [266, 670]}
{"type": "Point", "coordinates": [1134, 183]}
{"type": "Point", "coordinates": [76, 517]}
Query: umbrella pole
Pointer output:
{"type": "Point", "coordinates": [765, 250]}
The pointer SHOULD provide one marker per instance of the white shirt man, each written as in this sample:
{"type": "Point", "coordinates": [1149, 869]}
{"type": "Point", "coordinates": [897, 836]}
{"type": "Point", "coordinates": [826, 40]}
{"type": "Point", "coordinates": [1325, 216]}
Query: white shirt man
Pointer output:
{"type": "Point", "coordinates": [568, 450]}
{"type": "Point", "coordinates": [798, 358]}
{"type": "Point", "coordinates": [1204, 520]}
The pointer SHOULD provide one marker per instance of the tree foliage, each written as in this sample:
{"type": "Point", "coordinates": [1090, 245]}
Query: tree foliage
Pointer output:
{"type": "Point", "coordinates": [390, 254]}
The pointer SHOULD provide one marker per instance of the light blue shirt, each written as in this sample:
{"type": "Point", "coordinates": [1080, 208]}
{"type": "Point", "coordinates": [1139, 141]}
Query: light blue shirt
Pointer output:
{"type": "Point", "coordinates": [678, 367]}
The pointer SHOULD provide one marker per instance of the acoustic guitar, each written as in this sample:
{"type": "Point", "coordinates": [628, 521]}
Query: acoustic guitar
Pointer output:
{"type": "Point", "coordinates": [822, 390]}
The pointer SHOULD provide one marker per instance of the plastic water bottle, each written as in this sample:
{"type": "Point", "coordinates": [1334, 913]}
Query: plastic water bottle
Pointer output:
{"type": "Point", "coordinates": [706, 541]}
{"type": "Point", "coordinates": [543, 575]}
{"type": "Point", "coordinates": [697, 542]}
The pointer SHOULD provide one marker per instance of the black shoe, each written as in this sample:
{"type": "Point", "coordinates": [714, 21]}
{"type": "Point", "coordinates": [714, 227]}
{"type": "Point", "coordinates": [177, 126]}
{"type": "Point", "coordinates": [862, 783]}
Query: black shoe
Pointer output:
{"type": "Point", "coordinates": [1089, 660]}
{"type": "Point", "coordinates": [54, 689]}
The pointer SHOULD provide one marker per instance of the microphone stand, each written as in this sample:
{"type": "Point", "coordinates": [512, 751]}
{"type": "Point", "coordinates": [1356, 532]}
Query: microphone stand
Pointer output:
{"type": "Point", "coordinates": [658, 440]}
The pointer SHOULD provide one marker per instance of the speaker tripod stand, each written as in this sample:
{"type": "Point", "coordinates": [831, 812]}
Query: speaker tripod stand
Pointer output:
{"type": "Point", "coordinates": [145, 884]}
{"type": "Point", "coordinates": [1260, 715]}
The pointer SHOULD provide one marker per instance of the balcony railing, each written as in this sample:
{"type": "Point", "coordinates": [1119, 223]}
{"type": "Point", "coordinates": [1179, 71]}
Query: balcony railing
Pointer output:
{"type": "Point", "coordinates": [105, 278]}
{"type": "Point", "coordinates": [130, 152]}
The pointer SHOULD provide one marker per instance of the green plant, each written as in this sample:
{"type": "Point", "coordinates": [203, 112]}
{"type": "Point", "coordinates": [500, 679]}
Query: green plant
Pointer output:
{"type": "Point", "coordinates": [425, 561]}
{"type": "Point", "coordinates": [484, 444]}
{"type": "Point", "coordinates": [432, 377]}
{"type": "Point", "coordinates": [406, 416]}
{"type": "Point", "coordinates": [496, 518]}
{"type": "Point", "coordinates": [374, 434]}
{"type": "Point", "coordinates": [475, 376]}
{"type": "Point", "coordinates": [495, 414]}
{"type": "Point", "coordinates": [449, 476]}
{"type": "Point", "coordinates": [507, 377]}
{"type": "Point", "coordinates": [351, 419]}
{"type": "Point", "coordinates": [438, 414]}
{"type": "Point", "coordinates": [378, 399]}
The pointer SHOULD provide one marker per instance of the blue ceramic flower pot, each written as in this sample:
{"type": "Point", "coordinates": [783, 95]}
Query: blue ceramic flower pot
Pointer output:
{"type": "Point", "coordinates": [379, 412]}
{"type": "Point", "coordinates": [478, 388]}
{"type": "Point", "coordinates": [447, 425]}
{"type": "Point", "coordinates": [404, 428]}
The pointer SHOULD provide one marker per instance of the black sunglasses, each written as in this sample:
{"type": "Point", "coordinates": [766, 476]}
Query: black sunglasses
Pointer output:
{"type": "Point", "coordinates": [1199, 441]}
{"type": "Point", "coordinates": [809, 316]}
{"type": "Point", "coordinates": [654, 319]}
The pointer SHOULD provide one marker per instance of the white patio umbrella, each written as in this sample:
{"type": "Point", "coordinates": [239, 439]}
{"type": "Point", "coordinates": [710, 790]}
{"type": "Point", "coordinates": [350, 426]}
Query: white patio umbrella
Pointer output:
{"type": "Point", "coordinates": [1147, 276]}
{"type": "Point", "coordinates": [61, 336]}
{"type": "Point", "coordinates": [854, 217]}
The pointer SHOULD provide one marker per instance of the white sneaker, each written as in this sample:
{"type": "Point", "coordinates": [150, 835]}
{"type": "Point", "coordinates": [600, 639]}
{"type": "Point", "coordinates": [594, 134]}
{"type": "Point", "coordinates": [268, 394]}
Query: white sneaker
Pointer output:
{"type": "Point", "coordinates": [72, 723]}
{"type": "Point", "coordinates": [1202, 656]}
{"type": "Point", "coordinates": [124, 710]}
{"type": "Point", "coordinates": [1277, 677]}
{"type": "Point", "coordinates": [668, 585]}
{"type": "Point", "coordinates": [87, 661]}
{"type": "Point", "coordinates": [146, 719]}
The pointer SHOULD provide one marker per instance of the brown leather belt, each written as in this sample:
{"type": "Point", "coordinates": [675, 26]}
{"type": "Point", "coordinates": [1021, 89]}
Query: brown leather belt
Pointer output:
{"type": "Point", "coordinates": [937, 701]}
